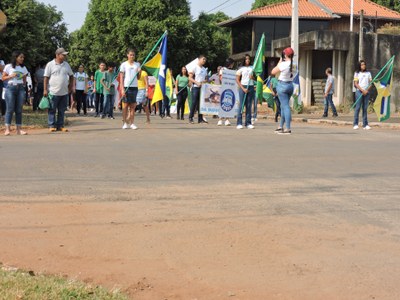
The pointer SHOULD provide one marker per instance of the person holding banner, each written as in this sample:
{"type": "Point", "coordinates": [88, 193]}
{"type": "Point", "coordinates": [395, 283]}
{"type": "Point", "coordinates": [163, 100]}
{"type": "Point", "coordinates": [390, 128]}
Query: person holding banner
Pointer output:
{"type": "Point", "coordinates": [181, 88]}
{"type": "Point", "coordinates": [245, 81]}
{"type": "Point", "coordinates": [285, 88]}
{"type": "Point", "coordinates": [362, 80]}
{"type": "Point", "coordinates": [229, 62]}
{"type": "Point", "coordinates": [129, 75]}
{"type": "Point", "coordinates": [197, 77]}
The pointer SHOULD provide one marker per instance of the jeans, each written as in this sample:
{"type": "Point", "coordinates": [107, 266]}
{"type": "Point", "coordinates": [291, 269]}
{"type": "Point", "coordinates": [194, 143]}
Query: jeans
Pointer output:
{"type": "Point", "coordinates": [278, 108]}
{"type": "Point", "coordinates": [15, 98]}
{"type": "Point", "coordinates": [255, 102]}
{"type": "Point", "coordinates": [59, 104]}
{"type": "Point", "coordinates": [80, 99]}
{"type": "Point", "coordinates": [329, 102]}
{"type": "Point", "coordinates": [99, 103]}
{"type": "Point", "coordinates": [181, 98]}
{"type": "Point", "coordinates": [108, 106]}
{"type": "Point", "coordinates": [248, 101]}
{"type": "Point", "coordinates": [89, 99]}
{"type": "Point", "coordinates": [364, 101]}
{"type": "Point", "coordinates": [285, 91]}
{"type": "Point", "coordinates": [195, 104]}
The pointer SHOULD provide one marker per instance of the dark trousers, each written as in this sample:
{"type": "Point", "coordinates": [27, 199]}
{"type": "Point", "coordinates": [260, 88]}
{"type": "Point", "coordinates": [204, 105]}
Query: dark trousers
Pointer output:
{"type": "Point", "coordinates": [80, 98]}
{"type": "Point", "coordinates": [38, 96]}
{"type": "Point", "coordinates": [2, 101]}
{"type": "Point", "coordinates": [166, 107]}
{"type": "Point", "coordinates": [181, 99]}
{"type": "Point", "coordinates": [99, 103]}
{"type": "Point", "coordinates": [195, 104]}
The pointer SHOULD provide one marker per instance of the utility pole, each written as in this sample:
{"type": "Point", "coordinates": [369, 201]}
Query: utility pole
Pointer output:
{"type": "Point", "coordinates": [351, 14]}
{"type": "Point", "coordinates": [294, 42]}
{"type": "Point", "coordinates": [361, 37]}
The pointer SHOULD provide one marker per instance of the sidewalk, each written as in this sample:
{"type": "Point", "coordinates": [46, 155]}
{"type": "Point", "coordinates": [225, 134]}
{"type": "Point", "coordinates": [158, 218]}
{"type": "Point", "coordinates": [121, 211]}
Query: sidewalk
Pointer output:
{"type": "Point", "coordinates": [345, 120]}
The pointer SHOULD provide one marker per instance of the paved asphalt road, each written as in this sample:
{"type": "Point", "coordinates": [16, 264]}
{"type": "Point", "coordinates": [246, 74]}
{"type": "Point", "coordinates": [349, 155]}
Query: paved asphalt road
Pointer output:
{"type": "Point", "coordinates": [329, 173]}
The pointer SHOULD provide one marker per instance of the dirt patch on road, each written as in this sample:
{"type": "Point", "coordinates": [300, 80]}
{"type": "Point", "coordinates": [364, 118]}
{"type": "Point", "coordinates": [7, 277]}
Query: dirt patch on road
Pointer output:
{"type": "Point", "coordinates": [175, 243]}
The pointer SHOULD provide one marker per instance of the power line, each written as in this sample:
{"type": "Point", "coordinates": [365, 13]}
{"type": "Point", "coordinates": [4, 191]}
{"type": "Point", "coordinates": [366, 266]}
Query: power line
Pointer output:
{"type": "Point", "coordinates": [218, 6]}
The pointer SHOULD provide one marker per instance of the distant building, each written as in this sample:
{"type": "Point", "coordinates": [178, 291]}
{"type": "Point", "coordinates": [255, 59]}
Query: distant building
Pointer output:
{"type": "Point", "coordinates": [325, 40]}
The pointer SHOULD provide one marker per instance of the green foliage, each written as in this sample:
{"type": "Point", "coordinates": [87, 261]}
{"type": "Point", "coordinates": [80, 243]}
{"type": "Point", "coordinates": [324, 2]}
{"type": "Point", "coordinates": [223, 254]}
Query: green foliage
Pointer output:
{"type": "Point", "coordinates": [392, 4]}
{"type": "Point", "coordinates": [21, 285]}
{"type": "Point", "coordinates": [113, 26]}
{"type": "Point", "coordinates": [34, 28]}
{"type": "Point", "coordinates": [211, 40]}
{"type": "Point", "coordinates": [261, 3]}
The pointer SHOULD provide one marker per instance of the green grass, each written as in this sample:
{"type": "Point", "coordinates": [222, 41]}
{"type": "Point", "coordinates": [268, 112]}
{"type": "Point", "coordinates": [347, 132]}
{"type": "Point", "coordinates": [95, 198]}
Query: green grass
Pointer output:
{"type": "Point", "coordinates": [26, 285]}
{"type": "Point", "coordinates": [32, 119]}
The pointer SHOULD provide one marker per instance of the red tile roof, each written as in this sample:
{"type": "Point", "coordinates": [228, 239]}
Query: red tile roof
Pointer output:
{"type": "Point", "coordinates": [308, 9]}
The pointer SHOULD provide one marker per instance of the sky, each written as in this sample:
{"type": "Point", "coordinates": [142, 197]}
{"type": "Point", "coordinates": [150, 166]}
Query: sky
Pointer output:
{"type": "Point", "coordinates": [75, 10]}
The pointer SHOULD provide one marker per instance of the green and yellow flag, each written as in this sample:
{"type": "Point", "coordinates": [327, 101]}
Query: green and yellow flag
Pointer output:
{"type": "Point", "coordinates": [258, 67]}
{"type": "Point", "coordinates": [384, 87]}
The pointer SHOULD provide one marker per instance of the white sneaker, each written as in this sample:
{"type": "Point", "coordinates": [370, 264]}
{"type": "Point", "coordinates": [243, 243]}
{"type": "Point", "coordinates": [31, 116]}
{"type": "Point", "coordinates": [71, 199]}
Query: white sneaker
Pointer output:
{"type": "Point", "coordinates": [126, 126]}
{"type": "Point", "coordinates": [133, 126]}
{"type": "Point", "coordinates": [250, 126]}
{"type": "Point", "coordinates": [239, 127]}
{"type": "Point", "coordinates": [205, 120]}
{"type": "Point", "coordinates": [355, 127]}
{"type": "Point", "coordinates": [219, 123]}
{"type": "Point", "coordinates": [227, 123]}
{"type": "Point", "coordinates": [367, 127]}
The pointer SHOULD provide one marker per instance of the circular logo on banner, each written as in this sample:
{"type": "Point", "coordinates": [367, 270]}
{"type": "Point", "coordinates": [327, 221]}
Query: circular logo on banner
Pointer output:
{"type": "Point", "coordinates": [228, 100]}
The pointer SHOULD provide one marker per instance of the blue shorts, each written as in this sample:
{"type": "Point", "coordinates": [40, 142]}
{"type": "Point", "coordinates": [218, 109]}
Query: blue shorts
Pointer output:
{"type": "Point", "coordinates": [141, 97]}
{"type": "Point", "coordinates": [131, 95]}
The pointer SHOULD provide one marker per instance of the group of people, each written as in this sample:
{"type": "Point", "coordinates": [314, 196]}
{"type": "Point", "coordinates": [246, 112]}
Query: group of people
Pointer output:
{"type": "Point", "coordinates": [58, 82]}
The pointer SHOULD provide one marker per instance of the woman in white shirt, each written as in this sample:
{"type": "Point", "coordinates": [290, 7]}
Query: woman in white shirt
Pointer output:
{"type": "Point", "coordinates": [362, 82]}
{"type": "Point", "coordinates": [15, 75]}
{"type": "Point", "coordinates": [244, 79]}
{"type": "Point", "coordinates": [285, 88]}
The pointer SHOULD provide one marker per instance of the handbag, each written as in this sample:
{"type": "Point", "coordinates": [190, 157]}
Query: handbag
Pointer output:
{"type": "Point", "coordinates": [45, 102]}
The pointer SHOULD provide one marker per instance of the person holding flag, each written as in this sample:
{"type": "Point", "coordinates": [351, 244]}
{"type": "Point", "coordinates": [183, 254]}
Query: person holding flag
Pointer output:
{"type": "Point", "coordinates": [362, 82]}
{"type": "Point", "coordinates": [285, 88]}
{"type": "Point", "coordinates": [245, 81]}
{"type": "Point", "coordinates": [129, 75]}
{"type": "Point", "coordinates": [181, 91]}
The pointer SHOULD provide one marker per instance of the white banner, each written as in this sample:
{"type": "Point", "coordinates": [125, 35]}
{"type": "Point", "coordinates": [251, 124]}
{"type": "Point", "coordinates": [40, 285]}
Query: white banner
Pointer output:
{"type": "Point", "coordinates": [229, 99]}
{"type": "Point", "coordinates": [209, 99]}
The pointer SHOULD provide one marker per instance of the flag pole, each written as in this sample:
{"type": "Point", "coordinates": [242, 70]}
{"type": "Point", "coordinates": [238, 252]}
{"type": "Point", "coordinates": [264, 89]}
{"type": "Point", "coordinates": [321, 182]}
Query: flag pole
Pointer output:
{"type": "Point", "coordinates": [147, 58]}
{"type": "Point", "coordinates": [373, 80]}
{"type": "Point", "coordinates": [247, 88]}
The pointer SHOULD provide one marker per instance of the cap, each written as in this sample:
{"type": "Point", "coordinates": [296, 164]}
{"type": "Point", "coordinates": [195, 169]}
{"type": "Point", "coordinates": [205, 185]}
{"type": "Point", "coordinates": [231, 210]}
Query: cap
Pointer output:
{"type": "Point", "coordinates": [61, 51]}
{"type": "Point", "coordinates": [288, 51]}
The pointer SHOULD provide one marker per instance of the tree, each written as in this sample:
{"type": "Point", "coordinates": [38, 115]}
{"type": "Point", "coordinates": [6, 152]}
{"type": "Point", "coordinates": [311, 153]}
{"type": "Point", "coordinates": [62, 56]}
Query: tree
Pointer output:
{"type": "Point", "coordinates": [34, 28]}
{"type": "Point", "coordinates": [211, 40]}
{"type": "Point", "coordinates": [111, 27]}
{"type": "Point", "coordinates": [261, 3]}
{"type": "Point", "coordinates": [392, 4]}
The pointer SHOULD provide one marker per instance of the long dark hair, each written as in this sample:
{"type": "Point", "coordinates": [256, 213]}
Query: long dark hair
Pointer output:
{"type": "Point", "coordinates": [291, 64]}
{"type": "Point", "coordinates": [244, 61]}
{"type": "Point", "coordinates": [14, 56]}
{"type": "Point", "coordinates": [181, 73]}
{"type": "Point", "coordinates": [359, 66]}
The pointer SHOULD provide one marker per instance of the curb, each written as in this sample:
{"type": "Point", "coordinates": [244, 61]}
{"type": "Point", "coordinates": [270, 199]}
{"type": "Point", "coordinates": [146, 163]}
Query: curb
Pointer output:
{"type": "Point", "coordinates": [345, 123]}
